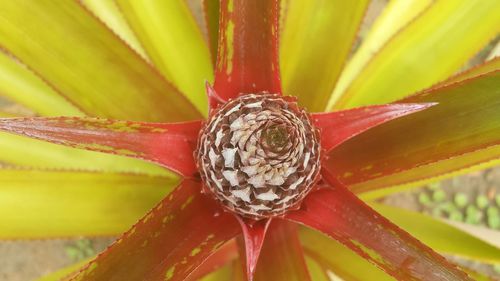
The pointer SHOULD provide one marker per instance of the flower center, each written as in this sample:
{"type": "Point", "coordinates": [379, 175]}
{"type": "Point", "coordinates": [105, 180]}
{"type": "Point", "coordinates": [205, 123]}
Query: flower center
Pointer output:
{"type": "Point", "coordinates": [259, 155]}
{"type": "Point", "coordinates": [275, 137]}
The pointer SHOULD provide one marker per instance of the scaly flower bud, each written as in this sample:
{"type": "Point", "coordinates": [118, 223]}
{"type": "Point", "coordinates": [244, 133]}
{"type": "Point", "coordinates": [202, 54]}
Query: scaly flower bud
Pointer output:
{"type": "Point", "coordinates": [259, 155]}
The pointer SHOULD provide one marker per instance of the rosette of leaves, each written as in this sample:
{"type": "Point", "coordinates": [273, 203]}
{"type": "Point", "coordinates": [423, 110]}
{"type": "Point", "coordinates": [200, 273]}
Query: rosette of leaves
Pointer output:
{"type": "Point", "coordinates": [129, 77]}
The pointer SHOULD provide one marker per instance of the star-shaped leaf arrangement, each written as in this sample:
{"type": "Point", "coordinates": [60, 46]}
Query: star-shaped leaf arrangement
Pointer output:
{"type": "Point", "coordinates": [263, 164]}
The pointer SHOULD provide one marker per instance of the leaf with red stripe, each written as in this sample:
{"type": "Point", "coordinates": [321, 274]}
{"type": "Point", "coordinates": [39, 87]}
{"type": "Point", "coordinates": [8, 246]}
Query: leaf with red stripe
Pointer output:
{"type": "Point", "coordinates": [211, 16]}
{"type": "Point", "coordinates": [337, 127]}
{"type": "Point", "coordinates": [170, 145]}
{"type": "Point", "coordinates": [282, 258]}
{"type": "Point", "coordinates": [460, 131]}
{"type": "Point", "coordinates": [254, 233]}
{"type": "Point", "coordinates": [336, 212]}
{"type": "Point", "coordinates": [247, 57]}
{"type": "Point", "coordinates": [223, 257]}
{"type": "Point", "coordinates": [169, 243]}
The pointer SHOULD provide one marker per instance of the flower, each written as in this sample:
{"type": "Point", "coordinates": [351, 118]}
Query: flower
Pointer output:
{"type": "Point", "coordinates": [259, 155]}
{"type": "Point", "coordinates": [189, 233]}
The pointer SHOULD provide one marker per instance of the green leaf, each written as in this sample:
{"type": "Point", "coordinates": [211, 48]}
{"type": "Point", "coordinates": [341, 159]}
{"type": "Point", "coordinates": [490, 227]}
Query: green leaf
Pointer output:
{"type": "Point", "coordinates": [432, 47]}
{"type": "Point", "coordinates": [426, 144]}
{"type": "Point", "coordinates": [317, 37]}
{"type": "Point", "coordinates": [87, 63]}
{"type": "Point", "coordinates": [395, 16]}
{"type": "Point", "coordinates": [175, 44]}
{"type": "Point", "coordinates": [22, 151]}
{"type": "Point", "coordinates": [338, 259]}
{"type": "Point", "coordinates": [110, 14]}
{"type": "Point", "coordinates": [41, 204]}
{"type": "Point", "coordinates": [439, 235]}
{"type": "Point", "coordinates": [21, 85]}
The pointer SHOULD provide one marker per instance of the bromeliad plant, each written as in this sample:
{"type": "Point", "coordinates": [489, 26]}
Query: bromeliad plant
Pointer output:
{"type": "Point", "coordinates": [261, 162]}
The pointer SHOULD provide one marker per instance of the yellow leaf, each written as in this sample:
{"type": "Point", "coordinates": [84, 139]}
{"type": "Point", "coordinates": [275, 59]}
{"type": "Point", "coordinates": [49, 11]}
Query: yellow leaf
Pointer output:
{"type": "Point", "coordinates": [316, 272]}
{"type": "Point", "coordinates": [440, 236]}
{"type": "Point", "coordinates": [481, 69]}
{"type": "Point", "coordinates": [339, 260]}
{"type": "Point", "coordinates": [38, 204]}
{"type": "Point", "coordinates": [477, 160]}
{"type": "Point", "coordinates": [6, 114]}
{"type": "Point", "coordinates": [87, 63]}
{"type": "Point", "coordinates": [174, 43]}
{"type": "Point", "coordinates": [395, 16]}
{"type": "Point", "coordinates": [21, 85]}
{"type": "Point", "coordinates": [441, 140]}
{"type": "Point", "coordinates": [26, 152]}
{"type": "Point", "coordinates": [316, 40]}
{"type": "Point", "coordinates": [109, 13]}
{"type": "Point", "coordinates": [432, 47]}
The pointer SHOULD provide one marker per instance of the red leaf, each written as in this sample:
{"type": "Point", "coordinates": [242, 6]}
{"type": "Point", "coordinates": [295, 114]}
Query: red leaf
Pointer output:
{"type": "Point", "coordinates": [170, 145]}
{"type": "Point", "coordinates": [247, 59]}
{"type": "Point", "coordinates": [214, 99]}
{"type": "Point", "coordinates": [254, 233]}
{"type": "Point", "coordinates": [169, 243]}
{"type": "Point", "coordinates": [282, 258]}
{"type": "Point", "coordinates": [227, 253]}
{"type": "Point", "coordinates": [337, 127]}
{"type": "Point", "coordinates": [453, 135]}
{"type": "Point", "coordinates": [341, 215]}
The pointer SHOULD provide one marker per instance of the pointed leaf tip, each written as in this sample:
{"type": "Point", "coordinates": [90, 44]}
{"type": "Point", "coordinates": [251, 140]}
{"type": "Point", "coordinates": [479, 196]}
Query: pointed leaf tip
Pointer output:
{"type": "Point", "coordinates": [435, 142]}
{"type": "Point", "coordinates": [170, 145]}
{"type": "Point", "coordinates": [338, 127]}
{"type": "Point", "coordinates": [214, 99]}
{"type": "Point", "coordinates": [254, 233]}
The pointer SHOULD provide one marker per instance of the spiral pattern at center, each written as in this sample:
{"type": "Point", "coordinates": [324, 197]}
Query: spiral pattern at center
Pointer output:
{"type": "Point", "coordinates": [259, 155]}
